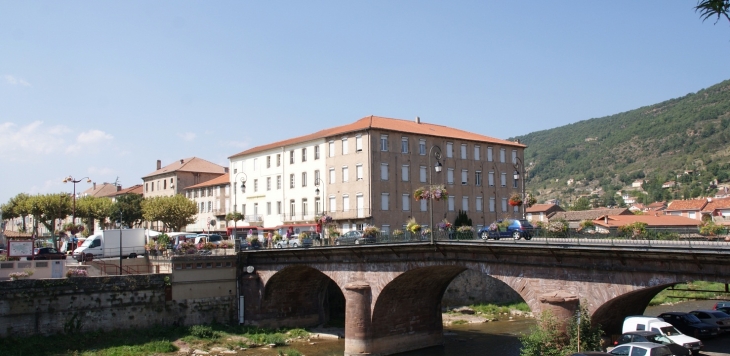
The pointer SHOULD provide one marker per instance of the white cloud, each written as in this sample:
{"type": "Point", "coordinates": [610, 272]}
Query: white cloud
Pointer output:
{"type": "Point", "coordinates": [103, 171]}
{"type": "Point", "coordinates": [236, 144]}
{"type": "Point", "coordinates": [34, 138]}
{"type": "Point", "coordinates": [87, 139]}
{"type": "Point", "coordinates": [187, 136]}
{"type": "Point", "coordinates": [16, 81]}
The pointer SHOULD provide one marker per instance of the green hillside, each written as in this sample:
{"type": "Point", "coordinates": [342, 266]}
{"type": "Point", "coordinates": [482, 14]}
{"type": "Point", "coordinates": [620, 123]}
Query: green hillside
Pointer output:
{"type": "Point", "coordinates": [656, 142]}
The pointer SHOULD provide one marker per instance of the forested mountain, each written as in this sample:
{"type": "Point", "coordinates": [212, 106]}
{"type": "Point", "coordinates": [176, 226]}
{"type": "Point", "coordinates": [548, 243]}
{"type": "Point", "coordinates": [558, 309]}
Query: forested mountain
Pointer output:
{"type": "Point", "coordinates": [659, 143]}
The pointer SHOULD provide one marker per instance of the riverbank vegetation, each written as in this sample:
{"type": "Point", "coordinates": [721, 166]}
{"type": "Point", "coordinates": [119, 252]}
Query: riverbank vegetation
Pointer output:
{"type": "Point", "coordinates": [697, 290]}
{"type": "Point", "coordinates": [157, 340]}
{"type": "Point", "coordinates": [548, 338]}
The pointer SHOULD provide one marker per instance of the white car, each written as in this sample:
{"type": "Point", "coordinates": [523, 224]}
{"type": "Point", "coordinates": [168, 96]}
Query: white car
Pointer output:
{"type": "Point", "coordinates": [641, 348]}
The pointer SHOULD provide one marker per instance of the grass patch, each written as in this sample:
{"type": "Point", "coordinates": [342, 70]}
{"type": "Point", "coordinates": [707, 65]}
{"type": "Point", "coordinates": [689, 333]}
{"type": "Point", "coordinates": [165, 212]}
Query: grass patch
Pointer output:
{"type": "Point", "coordinates": [494, 309]}
{"type": "Point", "coordinates": [670, 296]}
{"type": "Point", "coordinates": [289, 352]}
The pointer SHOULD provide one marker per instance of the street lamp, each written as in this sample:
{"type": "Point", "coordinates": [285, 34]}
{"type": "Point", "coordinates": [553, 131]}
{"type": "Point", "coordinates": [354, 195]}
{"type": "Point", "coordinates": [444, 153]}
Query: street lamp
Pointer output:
{"type": "Point", "coordinates": [243, 189]}
{"type": "Point", "coordinates": [437, 167]}
{"type": "Point", "coordinates": [70, 179]}
{"type": "Point", "coordinates": [516, 175]}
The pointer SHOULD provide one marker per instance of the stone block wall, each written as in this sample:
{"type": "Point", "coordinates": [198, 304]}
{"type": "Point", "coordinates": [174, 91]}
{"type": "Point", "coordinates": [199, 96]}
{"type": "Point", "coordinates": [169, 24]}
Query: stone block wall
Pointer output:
{"type": "Point", "coordinates": [53, 306]}
{"type": "Point", "coordinates": [472, 287]}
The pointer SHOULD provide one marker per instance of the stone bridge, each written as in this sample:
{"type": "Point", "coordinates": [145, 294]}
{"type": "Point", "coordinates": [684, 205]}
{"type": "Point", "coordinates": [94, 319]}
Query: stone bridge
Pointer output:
{"type": "Point", "coordinates": [390, 295]}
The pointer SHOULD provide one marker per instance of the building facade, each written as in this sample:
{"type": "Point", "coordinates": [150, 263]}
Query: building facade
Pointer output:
{"type": "Point", "coordinates": [365, 174]}
{"type": "Point", "coordinates": [213, 200]}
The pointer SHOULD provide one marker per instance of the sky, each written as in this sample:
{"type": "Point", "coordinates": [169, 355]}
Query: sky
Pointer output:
{"type": "Point", "coordinates": [104, 89]}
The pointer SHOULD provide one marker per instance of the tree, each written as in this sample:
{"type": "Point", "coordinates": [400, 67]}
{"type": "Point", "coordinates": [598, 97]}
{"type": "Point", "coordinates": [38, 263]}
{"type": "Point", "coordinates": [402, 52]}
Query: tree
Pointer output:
{"type": "Point", "coordinates": [90, 208]}
{"type": "Point", "coordinates": [462, 219]}
{"type": "Point", "coordinates": [174, 212]}
{"type": "Point", "coordinates": [235, 217]}
{"type": "Point", "coordinates": [16, 207]}
{"type": "Point", "coordinates": [549, 339]}
{"type": "Point", "coordinates": [48, 208]}
{"type": "Point", "coordinates": [712, 8]}
{"type": "Point", "coordinates": [130, 208]}
{"type": "Point", "coordinates": [583, 203]}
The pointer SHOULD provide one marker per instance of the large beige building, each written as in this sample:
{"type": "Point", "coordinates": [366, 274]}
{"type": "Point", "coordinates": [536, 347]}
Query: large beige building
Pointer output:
{"type": "Point", "coordinates": [365, 173]}
{"type": "Point", "coordinates": [175, 177]}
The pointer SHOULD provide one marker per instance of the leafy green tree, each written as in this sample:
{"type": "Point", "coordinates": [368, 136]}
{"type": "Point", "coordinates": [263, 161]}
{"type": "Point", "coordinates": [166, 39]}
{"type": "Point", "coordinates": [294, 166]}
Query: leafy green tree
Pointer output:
{"type": "Point", "coordinates": [462, 219]}
{"type": "Point", "coordinates": [174, 212]}
{"type": "Point", "coordinates": [583, 203]}
{"type": "Point", "coordinates": [712, 8]}
{"type": "Point", "coordinates": [48, 208]}
{"type": "Point", "coordinates": [549, 339]}
{"type": "Point", "coordinates": [90, 209]}
{"type": "Point", "coordinates": [235, 217]}
{"type": "Point", "coordinates": [130, 208]}
{"type": "Point", "coordinates": [16, 207]}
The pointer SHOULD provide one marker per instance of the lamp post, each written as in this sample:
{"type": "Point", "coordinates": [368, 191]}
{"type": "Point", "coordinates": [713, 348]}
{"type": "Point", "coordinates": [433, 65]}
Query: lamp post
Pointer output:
{"type": "Point", "coordinates": [70, 179]}
{"type": "Point", "coordinates": [516, 175]}
{"type": "Point", "coordinates": [235, 198]}
{"type": "Point", "coordinates": [437, 168]}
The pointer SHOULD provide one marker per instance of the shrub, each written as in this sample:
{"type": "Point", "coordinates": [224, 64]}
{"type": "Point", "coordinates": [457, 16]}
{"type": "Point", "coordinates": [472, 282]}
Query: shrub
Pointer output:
{"type": "Point", "coordinates": [371, 231]}
{"type": "Point", "coordinates": [76, 272]}
{"type": "Point", "coordinates": [204, 332]}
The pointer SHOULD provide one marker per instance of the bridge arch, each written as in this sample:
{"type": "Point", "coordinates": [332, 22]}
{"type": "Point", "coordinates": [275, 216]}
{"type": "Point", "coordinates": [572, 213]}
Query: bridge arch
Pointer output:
{"type": "Point", "coordinates": [610, 315]}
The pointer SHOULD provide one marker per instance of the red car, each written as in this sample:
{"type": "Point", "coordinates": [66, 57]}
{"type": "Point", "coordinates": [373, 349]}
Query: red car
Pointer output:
{"type": "Point", "coordinates": [48, 253]}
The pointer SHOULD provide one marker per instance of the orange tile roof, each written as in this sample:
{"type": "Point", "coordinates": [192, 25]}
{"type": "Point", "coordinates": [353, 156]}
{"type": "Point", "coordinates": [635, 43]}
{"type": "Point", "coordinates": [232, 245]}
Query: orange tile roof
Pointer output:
{"type": "Point", "coordinates": [384, 123]}
{"type": "Point", "coordinates": [135, 189]}
{"type": "Point", "coordinates": [101, 190]}
{"type": "Point", "coordinates": [716, 204]}
{"type": "Point", "coordinates": [651, 220]}
{"type": "Point", "coordinates": [192, 164]}
{"type": "Point", "coordinates": [222, 179]}
{"type": "Point", "coordinates": [693, 204]}
{"type": "Point", "coordinates": [539, 208]}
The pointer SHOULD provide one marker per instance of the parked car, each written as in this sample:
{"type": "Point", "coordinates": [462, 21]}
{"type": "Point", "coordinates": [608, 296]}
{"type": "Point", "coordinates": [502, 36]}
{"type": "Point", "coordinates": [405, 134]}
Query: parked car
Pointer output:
{"type": "Point", "coordinates": [591, 353]}
{"type": "Point", "coordinates": [655, 337]}
{"type": "Point", "coordinates": [215, 239]}
{"type": "Point", "coordinates": [714, 317]}
{"type": "Point", "coordinates": [643, 323]}
{"type": "Point", "coordinates": [721, 304]}
{"type": "Point", "coordinates": [293, 242]}
{"type": "Point", "coordinates": [515, 228]}
{"type": "Point", "coordinates": [641, 348]}
{"type": "Point", "coordinates": [689, 324]}
{"type": "Point", "coordinates": [355, 237]}
{"type": "Point", "coordinates": [48, 253]}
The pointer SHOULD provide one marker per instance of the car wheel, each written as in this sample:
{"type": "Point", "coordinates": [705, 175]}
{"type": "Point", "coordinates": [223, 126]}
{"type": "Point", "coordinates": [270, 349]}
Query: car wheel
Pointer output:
{"type": "Point", "coordinates": [528, 237]}
{"type": "Point", "coordinates": [485, 235]}
{"type": "Point", "coordinates": [516, 235]}
{"type": "Point", "coordinates": [132, 255]}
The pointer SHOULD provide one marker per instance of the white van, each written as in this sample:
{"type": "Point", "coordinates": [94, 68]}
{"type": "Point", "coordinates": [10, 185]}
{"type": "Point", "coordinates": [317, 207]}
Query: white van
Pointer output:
{"type": "Point", "coordinates": [650, 323]}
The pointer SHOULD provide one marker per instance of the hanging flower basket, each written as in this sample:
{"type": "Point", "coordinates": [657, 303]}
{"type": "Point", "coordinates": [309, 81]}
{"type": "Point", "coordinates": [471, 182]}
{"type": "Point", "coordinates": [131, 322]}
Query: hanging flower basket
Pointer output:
{"type": "Point", "coordinates": [515, 200]}
{"type": "Point", "coordinates": [439, 192]}
{"type": "Point", "coordinates": [421, 194]}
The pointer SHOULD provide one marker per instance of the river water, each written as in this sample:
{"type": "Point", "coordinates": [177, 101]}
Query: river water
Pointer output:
{"type": "Point", "coordinates": [499, 338]}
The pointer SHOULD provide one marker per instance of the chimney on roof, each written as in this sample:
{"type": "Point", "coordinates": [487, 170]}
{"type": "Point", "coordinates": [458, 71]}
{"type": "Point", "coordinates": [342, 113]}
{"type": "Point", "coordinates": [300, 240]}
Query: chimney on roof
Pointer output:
{"type": "Point", "coordinates": [418, 120]}
{"type": "Point", "coordinates": [182, 161]}
{"type": "Point", "coordinates": [159, 164]}
{"type": "Point", "coordinates": [94, 186]}
{"type": "Point", "coordinates": [517, 140]}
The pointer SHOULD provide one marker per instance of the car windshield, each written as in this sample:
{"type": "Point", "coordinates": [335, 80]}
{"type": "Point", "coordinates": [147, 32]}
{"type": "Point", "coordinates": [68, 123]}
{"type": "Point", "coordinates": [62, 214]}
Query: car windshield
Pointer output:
{"type": "Point", "coordinates": [669, 331]}
{"type": "Point", "coordinates": [659, 339]}
{"type": "Point", "coordinates": [214, 238]}
{"type": "Point", "coordinates": [525, 223]}
{"type": "Point", "coordinates": [87, 242]}
{"type": "Point", "coordinates": [692, 319]}
{"type": "Point", "coordinates": [720, 315]}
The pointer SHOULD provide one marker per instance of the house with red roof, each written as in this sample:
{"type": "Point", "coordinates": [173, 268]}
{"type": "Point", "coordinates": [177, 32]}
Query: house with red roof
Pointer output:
{"type": "Point", "coordinates": [211, 197]}
{"type": "Point", "coordinates": [717, 210]}
{"type": "Point", "coordinates": [610, 223]}
{"type": "Point", "coordinates": [541, 212]}
{"type": "Point", "coordinates": [691, 208]}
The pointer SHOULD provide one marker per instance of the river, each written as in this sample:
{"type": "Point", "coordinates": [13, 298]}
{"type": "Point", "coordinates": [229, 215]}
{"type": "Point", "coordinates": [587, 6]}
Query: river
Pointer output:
{"type": "Point", "coordinates": [499, 338]}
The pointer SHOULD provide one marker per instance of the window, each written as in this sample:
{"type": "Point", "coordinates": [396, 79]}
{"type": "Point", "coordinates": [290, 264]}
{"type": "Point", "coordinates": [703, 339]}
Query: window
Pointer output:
{"type": "Point", "coordinates": [477, 152]}
{"type": "Point", "coordinates": [332, 175]}
{"type": "Point", "coordinates": [304, 179]}
{"type": "Point", "coordinates": [463, 151]}
{"type": "Point", "coordinates": [317, 206]}
{"type": "Point", "coordinates": [291, 157]}
{"type": "Point", "coordinates": [255, 185]}
{"type": "Point", "coordinates": [305, 207]}
{"type": "Point", "coordinates": [210, 206]}
{"type": "Point", "coordinates": [422, 174]}
{"type": "Point", "coordinates": [331, 145]}
{"type": "Point", "coordinates": [404, 145]}
{"type": "Point", "coordinates": [491, 179]}
{"type": "Point", "coordinates": [268, 183]}
{"type": "Point", "coordinates": [491, 204]}
{"type": "Point", "coordinates": [278, 182]}
{"type": "Point", "coordinates": [383, 142]}
{"type": "Point", "coordinates": [514, 183]}
{"type": "Point", "coordinates": [384, 171]}
{"type": "Point", "coordinates": [503, 179]}
{"type": "Point", "coordinates": [278, 159]}
{"type": "Point", "coordinates": [358, 143]}
{"type": "Point", "coordinates": [243, 209]}
{"type": "Point", "coordinates": [406, 202]}
{"type": "Point", "coordinates": [344, 146]}
{"type": "Point", "coordinates": [451, 203]}
{"type": "Point", "coordinates": [465, 203]}
{"type": "Point", "coordinates": [268, 208]}
{"type": "Point", "coordinates": [464, 176]}
{"type": "Point", "coordinates": [514, 156]}
{"type": "Point", "coordinates": [164, 184]}
{"type": "Point", "coordinates": [478, 205]}
{"type": "Point", "coordinates": [316, 177]}
{"type": "Point", "coordinates": [146, 187]}
{"type": "Point", "coordinates": [449, 149]}
{"type": "Point", "coordinates": [345, 174]}
{"type": "Point", "coordinates": [450, 176]}
{"type": "Point", "coordinates": [516, 209]}
{"type": "Point", "coordinates": [489, 154]}
{"type": "Point", "coordinates": [504, 205]}
{"type": "Point", "coordinates": [424, 205]}
{"type": "Point", "coordinates": [384, 201]}
{"type": "Point", "coordinates": [255, 163]}
{"type": "Point", "coordinates": [278, 207]}
{"type": "Point", "coordinates": [316, 152]}
{"type": "Point", "coordinates": [291, 181]}
{"type": "Point", "coordinates": [304, 154]}
{"type": "Point", "coordinates": [404, 172]}
{"type": "Point", "coordinates": [292, 208]}
{"type": "Point", "coordinates": [358, 172]}
{"type": "Point", "coordinates": [345, 202]}
{"type": "Point", "coordinates": [502, 153]}
{"type": "Point", "coordinates": [422, 147]}
{"type": "Point", "coordinates": [268, 161]}
{"type": "Point", "coordinates": [333, 204]}
{"type": "Point", "coordinates": [385, 229]}
{"type": "Point", "coordinates": [478, 178]}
